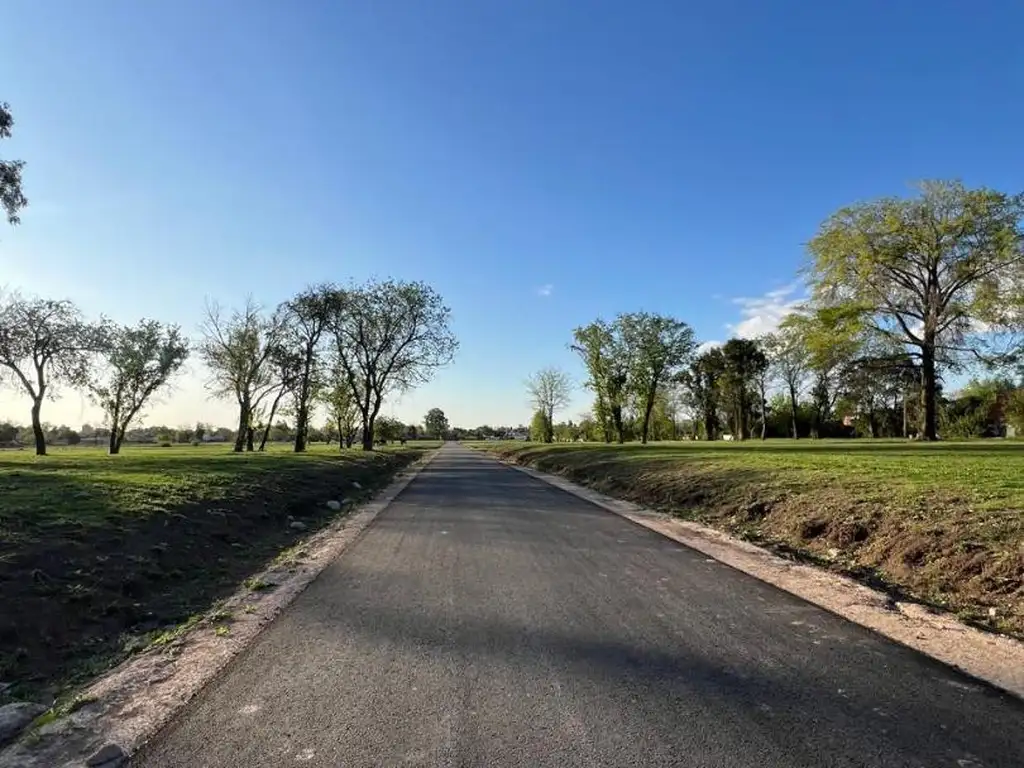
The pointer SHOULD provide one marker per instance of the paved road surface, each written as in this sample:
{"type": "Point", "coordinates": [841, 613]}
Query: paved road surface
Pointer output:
{"type": "Point", "coordinates": [487, 619]}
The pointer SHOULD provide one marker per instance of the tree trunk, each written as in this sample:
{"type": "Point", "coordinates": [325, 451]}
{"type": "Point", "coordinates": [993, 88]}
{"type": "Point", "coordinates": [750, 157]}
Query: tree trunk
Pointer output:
{"type": "Point", "coordinates": [906, 415]}
{"type": "Point", "coordinates": [37, 428]}
{"type": "Point", "coordinates": [341, 436]}
{"type": "Point", "coordinates": [270, 422]}
{"type": "Point", "coordinates": [114, 446]}
{"type": "Point", "coordinates": [620, 430]}
{"type": "Point", "coordinates": [647, 418]}
{"type": "Point", "coordinates": [929, 426]}
{"type": "Point", "coordinates": [243, 425]}
{"type": "Point", "coordinates": [249, 433]}
{"type": "Point", "coordinates": [795, 409]}
{"type": "Point", "coordinates": [368, 433]}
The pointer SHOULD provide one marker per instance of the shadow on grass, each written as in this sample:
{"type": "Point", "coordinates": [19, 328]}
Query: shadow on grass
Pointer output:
{"type": "Point", "coordinates": [93, 565]}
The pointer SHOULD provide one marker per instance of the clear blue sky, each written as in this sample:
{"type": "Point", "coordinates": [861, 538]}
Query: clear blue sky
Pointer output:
{"type": "Point", "coordinates": [615, 156]}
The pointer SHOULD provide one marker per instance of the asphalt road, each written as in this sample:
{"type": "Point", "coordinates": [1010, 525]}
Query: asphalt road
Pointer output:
{"type": "Point", "coordinates": [487, 619]}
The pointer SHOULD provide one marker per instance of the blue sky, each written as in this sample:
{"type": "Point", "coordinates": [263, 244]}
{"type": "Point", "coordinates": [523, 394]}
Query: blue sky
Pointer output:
{"type": "Point", "coordinates": [541, 163]}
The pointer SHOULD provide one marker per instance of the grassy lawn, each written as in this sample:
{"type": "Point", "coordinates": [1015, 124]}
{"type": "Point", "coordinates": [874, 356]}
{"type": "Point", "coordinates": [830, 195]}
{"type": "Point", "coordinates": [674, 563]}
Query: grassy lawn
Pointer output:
{"type": "Point", "coordinates": [942, 524]}
{"type": "Point", "coordinates": [100, 554]}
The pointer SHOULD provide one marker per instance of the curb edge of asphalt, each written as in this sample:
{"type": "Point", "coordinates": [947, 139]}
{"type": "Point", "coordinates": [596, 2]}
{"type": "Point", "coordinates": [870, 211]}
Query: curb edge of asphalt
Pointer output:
{"type": "Point", "coordinates": [997, 660]}
{"type": "Point", "coordinates": [131, 703]}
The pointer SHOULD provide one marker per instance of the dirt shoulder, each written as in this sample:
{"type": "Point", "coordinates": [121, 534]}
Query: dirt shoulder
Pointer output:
{"type": "Point", "coordinates": [101, 557]}
{"type": "Point", "coordinates": [939, 527]}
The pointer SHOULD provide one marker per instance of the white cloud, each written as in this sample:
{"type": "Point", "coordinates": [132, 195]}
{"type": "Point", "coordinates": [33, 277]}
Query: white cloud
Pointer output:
{"type": "Point", "coordinates": [708, 345]}
{"type": "Point", "coordinates": [546, 290]}
{"type": "Point", "coordinates": [763, 314]}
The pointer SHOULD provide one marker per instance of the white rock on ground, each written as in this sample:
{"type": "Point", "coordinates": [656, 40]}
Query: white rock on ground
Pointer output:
{"type": "Point", "coordinates": [334, 506]}
{"type": "Point", "coordinates": [14, 718]}
{"type": "Point", "coordinates": [355, 484]}
{"type": "Point", "coordinates": [107, 756]}
{"type": "Point", "coordinates": [297, 525]}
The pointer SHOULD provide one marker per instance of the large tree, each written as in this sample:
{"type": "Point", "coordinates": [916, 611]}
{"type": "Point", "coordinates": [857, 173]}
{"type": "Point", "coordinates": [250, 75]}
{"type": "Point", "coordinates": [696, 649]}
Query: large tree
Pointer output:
{"type": "Point", "coordinates": [239, 347]}
{"type": "Point", "coordinates": [788, 360]}
{"type": "Point", "coordinates": [342, 409]}
{"type": "Point", "coordinates": [390, 336]}
{"type": "Point", "coordinates": [743, 363]}
{"type": "Point", "coordinates": [550, 390]}
{"type": "Point", "coordinates": [701, 382]}
{"type": "Point", "coordinates": [44, 342]}
{"type": "Point", "coordinates": [436, 423]}
{"type": "Point", "coordinates": [657, 347]}
{"type": "Point", "coordinates": [939, 273]}
{"type": "Point", "coordinates": [139, 360]}
{"type": "Point", "coordinates": [11, 197]}
{"type": "Point", "coordinates": [307, 317]}
{"type": "Point", "coordinates": [601, 348]}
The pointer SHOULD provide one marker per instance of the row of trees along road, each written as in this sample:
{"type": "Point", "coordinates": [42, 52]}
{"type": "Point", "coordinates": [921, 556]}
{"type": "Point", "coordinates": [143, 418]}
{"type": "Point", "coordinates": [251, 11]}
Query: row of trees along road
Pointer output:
{"type": "Point", "coordinates": [347, 348]}
{"type": "Point", "coordinates": [901, 291]}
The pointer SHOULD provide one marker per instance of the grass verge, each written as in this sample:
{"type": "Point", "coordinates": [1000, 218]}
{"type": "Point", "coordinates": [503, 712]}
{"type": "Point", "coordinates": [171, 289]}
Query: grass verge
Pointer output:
{"type": "Point", "coordinates": [100, 556]}
{"type": "Point", "coordinates": [939, 524]}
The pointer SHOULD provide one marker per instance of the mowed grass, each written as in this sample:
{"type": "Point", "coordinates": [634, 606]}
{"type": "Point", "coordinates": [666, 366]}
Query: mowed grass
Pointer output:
{"type": "Point", "coordinates": [101, 554]}
{"type": "Point", "coordinates": [942, 524]}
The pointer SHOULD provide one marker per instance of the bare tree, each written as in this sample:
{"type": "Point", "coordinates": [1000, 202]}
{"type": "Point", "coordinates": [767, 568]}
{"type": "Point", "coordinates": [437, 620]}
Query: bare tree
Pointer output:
{"type": "Point", "coordinates": [237, 348]}
{"type": "Point", "coordinates": [139, 361]}
{"type": "Point", "coordinates": [550, 390]}
{"type": "Point", "coordinates": [11, 197]}
{"type": "Point", "coordinates": [389, 336]}
{"type": "Point", "coordinates": [286, 371]}
{"type": "Point", "coordinates": [44, 342]}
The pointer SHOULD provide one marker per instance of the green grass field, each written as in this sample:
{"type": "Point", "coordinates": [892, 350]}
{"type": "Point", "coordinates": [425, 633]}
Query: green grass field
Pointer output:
{"type": "Point", "coordinates": [942, 523]}
{"type": "Point", "coordinates": [100, 554]}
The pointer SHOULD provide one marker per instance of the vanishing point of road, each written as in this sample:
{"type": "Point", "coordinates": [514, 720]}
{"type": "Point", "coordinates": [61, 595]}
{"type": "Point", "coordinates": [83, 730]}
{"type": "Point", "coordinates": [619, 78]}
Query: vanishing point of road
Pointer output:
{"type": "Point", "coordinates": [488, 619]}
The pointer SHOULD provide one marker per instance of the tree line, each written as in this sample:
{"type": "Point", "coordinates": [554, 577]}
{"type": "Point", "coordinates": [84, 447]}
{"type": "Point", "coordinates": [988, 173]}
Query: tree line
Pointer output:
{"type": "Point", "coordinates": [902, 292]}
{"type": "Point", "coordinates": [344, 347]}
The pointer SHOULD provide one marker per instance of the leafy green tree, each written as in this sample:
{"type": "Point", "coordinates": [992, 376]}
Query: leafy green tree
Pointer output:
{"type": "Point", "coordinates": [937, 274]}
{"type": "Point", "coordinates": [550, 390]}
{"type": "Point", "coordinates": [540, 427]}
{"type": "Point", "coordinates": [341, 407]}
{"type": "Point", "coordinates": [743, 364]}
{"type": "Point", "coordinates": [388, 429]}
{"type": "Point", "coordinates": [138, 361]}
{"type": "Point", "coordinates": [436, 423]}
{"type": "Point", "coordinates": [8, 432]}
{"type": "Point", "coordinates": [657, 346]}
{"type": "Point", "coordinates": [789, 362]}
{"type": "Point", "coordinates": [702, 383]}
{"type": "Point", "coordinates": [11, 197]}
{"type": "Point", "coordinates": [307, 317]}
{"type": "Point", "coordinates": [44, 342]}
{"type": "Point", "coordinates": [604, 355]}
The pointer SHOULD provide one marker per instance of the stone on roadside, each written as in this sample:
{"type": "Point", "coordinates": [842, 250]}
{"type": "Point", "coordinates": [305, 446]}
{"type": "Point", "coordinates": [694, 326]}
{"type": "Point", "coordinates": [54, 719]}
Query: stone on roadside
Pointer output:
{"type": "Point", "coordinates": [355, 484]}
{"type": "Point", "coordinates": [297, 525]}
{"type": "Point", "coordinates": [107, 756]}
{"type": "Point", "coordinates": [333, 505]}
{"type": "Point", "coordinates": [14, 718]}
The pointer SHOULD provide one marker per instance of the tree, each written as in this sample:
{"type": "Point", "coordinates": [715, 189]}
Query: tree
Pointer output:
{"type": "Point", "coordinates": [306, 319]}
{"type": "Point", "coordinates": [657, 346]}
{"type": "Point", "coordinates": [788, 365]}
{"type": "Point", "coordinates": [11, 197]}
{"type": "Point", "coordinates": [341, 407]}
{"type": "Point", "coordinates": [8, 432]}
{"type": "Point", "coordinates": [139, 361]}
{"type": "Point", "coordinates": [540, 427]}
{"type": "Point", "coordinates": [286, 370]}
{"type": "Point", "coordinates": [436, 423]}
{"type": "Point", "coordinates": [744, 362]}
{"type": "Point", "coordinates": [550, 390]}
{"type": "Point", "coordinates": [238, 349]}
{"type": "Point", "coordinates": [701, 382]}
{"type": "Point", "coordinates": [938, 274]}
{"type": "Point", "coordinates": [603, 352]}
{"type": "Point", "coordinates": [388, 429]}
{"type": "Point", "coordinates": [200, 431]}
{"type": "Point", "coordinates": [44, 342]}
{"type": "Point", "coordinates": [389, 336]}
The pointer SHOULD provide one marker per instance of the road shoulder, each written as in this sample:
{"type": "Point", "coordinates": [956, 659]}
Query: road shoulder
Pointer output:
{"type": "Point", "coordinates": [122, 709]}
{"type": "Point", "coordinates": [991, 658]}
